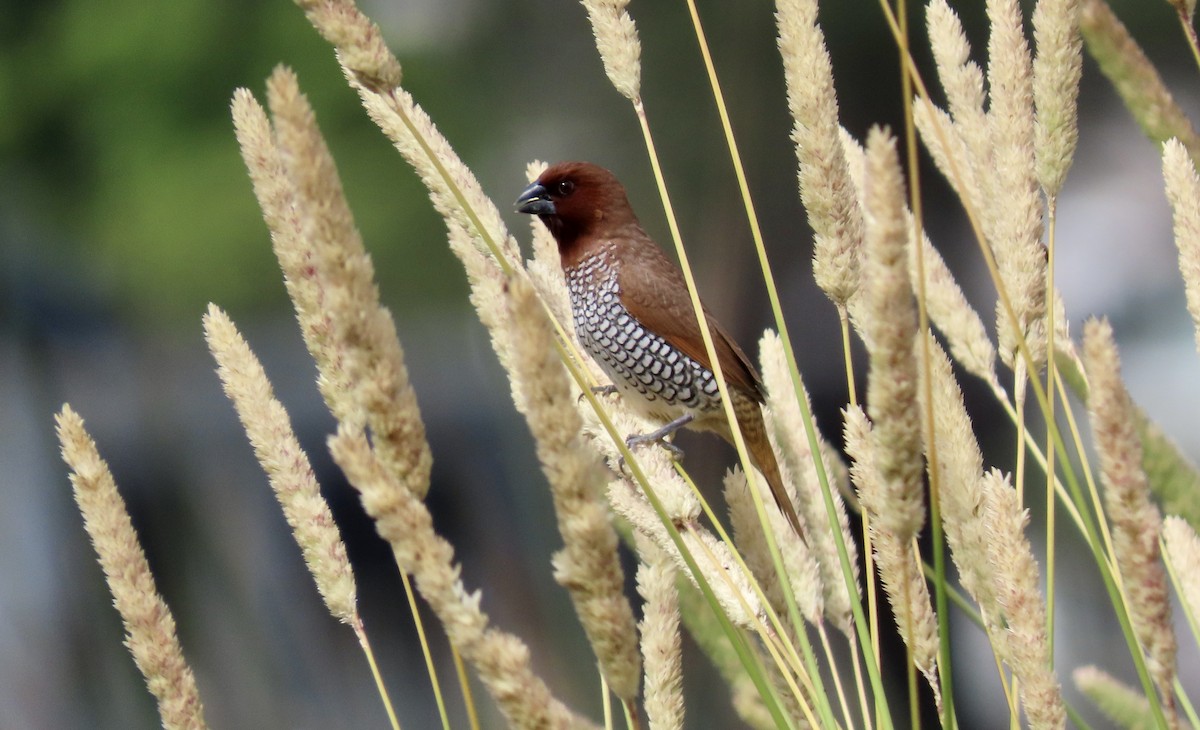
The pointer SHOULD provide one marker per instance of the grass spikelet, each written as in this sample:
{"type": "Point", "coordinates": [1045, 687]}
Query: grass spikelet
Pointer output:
{"type": "Point", "coordinates": [1134, 77]}
{"type": "Point", "coordinates": [1057, 68]}
{"type": "Point", "coordinates": [1015, 585]}
{"type": "Point", "coordinates": [1183, 550]}
{"type": "Point", "coordinates": [897, 562]}
{"type": "Point", "coordinates": [149, 626]}
{"type": "Point", "coordinates": [270, 432]}
{"type": "Point", "coordinates": [962, 80]}
{"type": "Point", "coordinates": [361, 331]}
{"type": "Point", "coordinates": [785, 420]}
{"type": "Point", "coordinates": [1016, 207]}
{"type": "Point", "coordinates": [617, 42]}
{"type": "Point", "coordinates": [733, 591]}
{"type": "Point", "coordinates": [803, 574]}
{"type": "Point", "coordinates": [277, 199]}
{"type": "Point", "coordinates": [825, 186]}
{"type": "Point", "coordinates": [661, 650]}
{"type": "Point", "coordinates": [963, 498]}
{"type": "Point", "coordinates": [948, 307]}
{"type": "Point", "coordinates": [1121, 703]}
{"type": "Point", "coordinates": [1183, 190]}
{"type": "Point", "coordinates": [588, 565]}
{"type": "Point", "coordinates": [1134, 518]}
{"type": "Point", "coordinates": [890, 317]}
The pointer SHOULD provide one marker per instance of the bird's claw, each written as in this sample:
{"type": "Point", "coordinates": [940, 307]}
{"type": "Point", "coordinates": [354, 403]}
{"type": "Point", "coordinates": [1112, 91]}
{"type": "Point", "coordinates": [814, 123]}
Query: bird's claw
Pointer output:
{"type": "Point", "coordinates": [601, 390]}
{"type": "Point", "coordinates": [641, 439]}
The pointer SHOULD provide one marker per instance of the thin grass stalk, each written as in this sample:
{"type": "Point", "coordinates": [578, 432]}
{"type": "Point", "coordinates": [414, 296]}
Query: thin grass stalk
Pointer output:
{"type": "Point", "coordinates": [779, 639]}
{"type": "Point", "coordinates": [360, 633]}
{"type": "Point", "coordinates": [837, 676]}
{"type": "Point", "coordinates": [629, 710]}
{"type": "Point", "coordinates": [756, 233]}
{"type": "Point", "coordinates": [1186, 705]}
{"type": "Point", "coordinates": [872, 598]}
{"type": "Point", "coordinates": [1187, 23]}
{"type": "Point", "coordinates": [1051, 375]}
{"type": "Point", "coordinates": [464, 684]}
{"type": "Point", "coordinates": [727, 404]}
{"type": "Point", "coordinates": [435, 683]}
{"type": "Point", "coordinates": [606, 702]}
{"type": "Point", "coordinates": [801, 697]}
{"type": "Point", "coordinates": [837, 214]}
{"type": "Point", "coordinates": [1020, 376]}
{"type": "Point", "coordinates": [771, 644]}
{"type": "Point", "coordinates": [931, 452]}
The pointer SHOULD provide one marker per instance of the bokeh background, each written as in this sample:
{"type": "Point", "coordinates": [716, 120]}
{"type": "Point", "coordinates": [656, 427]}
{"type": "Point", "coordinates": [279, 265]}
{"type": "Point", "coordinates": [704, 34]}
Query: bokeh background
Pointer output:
{"type": "Point", "coordinates": [125, 209]}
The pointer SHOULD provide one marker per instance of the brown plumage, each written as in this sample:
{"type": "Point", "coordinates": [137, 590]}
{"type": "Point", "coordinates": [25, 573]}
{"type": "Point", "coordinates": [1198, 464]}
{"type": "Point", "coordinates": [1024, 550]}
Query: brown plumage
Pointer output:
{"type": "Point", "coordinates": [633, 314]}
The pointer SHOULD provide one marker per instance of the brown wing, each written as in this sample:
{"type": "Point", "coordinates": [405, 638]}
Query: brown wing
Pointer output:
{"type": "Point", "coordinates": [654, 292]}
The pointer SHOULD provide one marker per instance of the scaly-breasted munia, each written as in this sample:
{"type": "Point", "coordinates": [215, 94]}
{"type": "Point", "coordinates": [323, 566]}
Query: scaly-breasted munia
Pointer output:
{"type": "Point", "coordinates": [633, 314]}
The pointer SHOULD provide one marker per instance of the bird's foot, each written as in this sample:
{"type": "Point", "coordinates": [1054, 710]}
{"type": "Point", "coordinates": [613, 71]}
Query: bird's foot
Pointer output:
{"type": "Point", "coordinates": [601, 390]}
{"type": "Point", "coordinates": [660, 437]}
{"type": "Point", "coordinates": [641, 439]}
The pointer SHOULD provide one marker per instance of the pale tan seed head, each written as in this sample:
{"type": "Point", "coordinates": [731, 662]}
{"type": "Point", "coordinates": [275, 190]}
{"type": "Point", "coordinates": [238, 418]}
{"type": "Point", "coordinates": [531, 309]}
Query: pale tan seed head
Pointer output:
{"type": "Point", "coordinates": [270, 432]}
{"type": "Point", "coordinates": [1057, 67]}
{"type": "Point", "coordinates": [1183, 190]}
{"type": "Point", "coordinates": [149, 625]}
{"type": "Point", "coordinates": [890, 317]}
{"type": "Point", "coordinates": [617, 41]}
{"type": "Point", "coordinates": [825, 187]}
{"type": "Point", "coordinates": [1134, 518]}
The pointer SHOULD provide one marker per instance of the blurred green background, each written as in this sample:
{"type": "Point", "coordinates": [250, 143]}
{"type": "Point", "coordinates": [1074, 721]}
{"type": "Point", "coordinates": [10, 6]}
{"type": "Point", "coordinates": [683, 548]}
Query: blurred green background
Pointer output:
{"type": "Point", "coordinates": [125, 209]}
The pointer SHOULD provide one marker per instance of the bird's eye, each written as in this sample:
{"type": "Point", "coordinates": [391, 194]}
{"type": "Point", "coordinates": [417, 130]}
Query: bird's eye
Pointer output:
{"type": "Point", "coordinates": [564, 187]}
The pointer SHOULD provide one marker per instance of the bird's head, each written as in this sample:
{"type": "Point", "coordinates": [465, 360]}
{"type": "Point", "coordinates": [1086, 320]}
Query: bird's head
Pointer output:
{"type": "Point", "coordinates": [579, 202]}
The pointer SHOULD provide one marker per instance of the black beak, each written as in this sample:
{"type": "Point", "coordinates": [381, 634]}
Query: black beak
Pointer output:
{"type": "Point", "coordinates": [536, 200]}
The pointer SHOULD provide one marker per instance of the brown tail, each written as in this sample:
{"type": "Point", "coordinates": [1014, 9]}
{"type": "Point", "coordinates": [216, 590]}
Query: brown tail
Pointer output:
{"type": "Point", "coordinates": [754, 431]}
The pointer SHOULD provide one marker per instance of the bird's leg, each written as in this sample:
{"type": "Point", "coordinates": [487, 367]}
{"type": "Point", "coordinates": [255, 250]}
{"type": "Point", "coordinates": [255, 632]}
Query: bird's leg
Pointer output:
{"type": "Point", "coordinates": [658, 436]}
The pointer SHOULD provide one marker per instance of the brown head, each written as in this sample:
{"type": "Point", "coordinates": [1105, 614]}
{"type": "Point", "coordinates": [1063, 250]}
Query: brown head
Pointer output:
{"type": "Point", "coordinates": [580, 203]}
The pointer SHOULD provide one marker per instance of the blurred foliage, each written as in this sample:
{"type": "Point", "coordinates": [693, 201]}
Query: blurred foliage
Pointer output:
{"type": "Point", "coordinates": [115, 141]}
{"type": "Point", "coordinates": [117, 145]}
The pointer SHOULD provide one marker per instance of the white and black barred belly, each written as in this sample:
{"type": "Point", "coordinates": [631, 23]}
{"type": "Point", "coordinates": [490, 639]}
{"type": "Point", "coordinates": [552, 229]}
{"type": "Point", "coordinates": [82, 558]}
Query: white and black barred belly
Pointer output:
{"type": "Point", "coordinates": [626, 350]}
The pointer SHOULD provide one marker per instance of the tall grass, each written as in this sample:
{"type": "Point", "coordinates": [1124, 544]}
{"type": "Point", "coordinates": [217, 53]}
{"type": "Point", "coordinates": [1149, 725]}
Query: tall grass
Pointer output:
{"type": "Point", "coordinates": [794, 624]}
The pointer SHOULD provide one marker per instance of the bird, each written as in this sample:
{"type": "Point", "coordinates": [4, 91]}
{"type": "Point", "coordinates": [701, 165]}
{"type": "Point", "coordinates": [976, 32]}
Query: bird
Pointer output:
{"type": "Point", "coordinates": [634, 316]}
